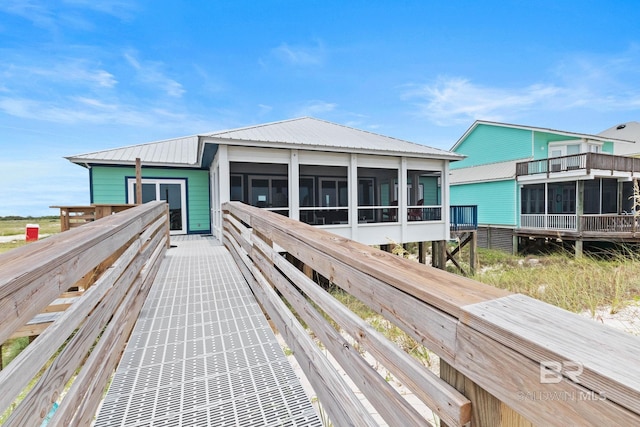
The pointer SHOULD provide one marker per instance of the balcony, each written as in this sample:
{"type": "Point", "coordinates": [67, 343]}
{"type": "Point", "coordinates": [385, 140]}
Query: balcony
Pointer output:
{"type": "Point", "coordinates": [463, 218]}
{"type": "Point", "coordinates": [583, 161]}
{"type": "Point", "coordinates": [589, 226]}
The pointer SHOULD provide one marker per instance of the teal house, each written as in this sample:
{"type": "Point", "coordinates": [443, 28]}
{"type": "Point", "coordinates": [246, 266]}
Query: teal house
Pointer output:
{"type": "Point", "coordinates": [535, 183]}
{"type": "Point", "coordinates": [361, 185]}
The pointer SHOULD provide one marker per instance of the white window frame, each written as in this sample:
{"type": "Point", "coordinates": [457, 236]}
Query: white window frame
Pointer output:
{"type": "Point", "coordinates": [131, 196]}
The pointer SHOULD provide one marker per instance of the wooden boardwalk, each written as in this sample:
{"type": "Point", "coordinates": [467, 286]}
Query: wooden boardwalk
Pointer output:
{"type": "Point", "coordinates": [202, 352]}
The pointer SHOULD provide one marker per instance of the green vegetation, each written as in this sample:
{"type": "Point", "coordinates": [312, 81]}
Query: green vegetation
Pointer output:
{"type": "Point", "coordinates": [586, 283]}
{"type": "Point", "coordinates": [13, 226]}
{"type": "Point", "coordinates": [10, 226]}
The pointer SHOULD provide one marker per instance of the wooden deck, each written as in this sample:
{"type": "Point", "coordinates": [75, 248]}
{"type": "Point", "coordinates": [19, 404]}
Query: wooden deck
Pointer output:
{"type": "Point", "coordinates": [202, 352]}
{"type": "Point", "coordinates": [194, 348]}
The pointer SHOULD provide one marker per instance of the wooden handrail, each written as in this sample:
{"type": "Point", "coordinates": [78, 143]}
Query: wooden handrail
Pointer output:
{"type": "Point", "coordinates": [94, 328]}
{"type": "Point", "coordinates": [75, 216]}
{"type": "Point", "coordinates": [517, 360]}
{"type": "Point", "coordinates": [587, 161]}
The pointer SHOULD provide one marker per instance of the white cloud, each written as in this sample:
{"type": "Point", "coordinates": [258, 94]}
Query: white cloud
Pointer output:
{"type": "Point", "coordinates": [84, 110]}
{"type": "Point", "coordinates": [455, 100]}
{"type": "Point", "coordinates": [150, 73]}
{"type": "Point", "coordinates": [597, 84]}
{"type": "Point", "coordinates": [33, 10]}
{"type": "Point", "coordinates": [300, 55]}
{"type": "Point", "coordinates": [54, 15]}
{"type": "Point", "coordinates": [77, 72]}
{"type": "Point", "coordinates": [264, 109]}
{"type": "Point", "coordinates": [122, 9]}
{"type": "Point", "coordinates": [312, 108]}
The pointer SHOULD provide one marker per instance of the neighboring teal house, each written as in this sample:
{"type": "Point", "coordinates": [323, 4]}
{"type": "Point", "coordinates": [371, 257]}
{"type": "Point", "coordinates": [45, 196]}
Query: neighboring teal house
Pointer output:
{"type": "Point", "coordinates": [533, 183]}
{"type": "Point", "coordinates": [345, 180]}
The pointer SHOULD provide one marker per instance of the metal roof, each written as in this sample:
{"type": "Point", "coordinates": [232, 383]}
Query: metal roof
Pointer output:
{"type": "Point", "coordinates": [499, 171]}
{"type": "Point", "coordinates": [598, 137]}
{"type": "Point", "coordinates": [304, 133]}
{"type": "Point", "coordinates": [312, 133]}
{"type": "Point", "coordinates": [183, 151]}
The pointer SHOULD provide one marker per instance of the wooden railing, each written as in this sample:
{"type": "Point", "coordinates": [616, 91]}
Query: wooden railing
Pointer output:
{"type": "Point", "coordinates": [75, 216]}
{"type": "Point", "coordinates": [606, 223]}
{"type": "Point", "coordinates": [609, 223]}
{"type": "Point", "coordinates": [587, 161]}
{"type": "Point", "coordinates": [505, 359]}
{"type": "Point", "coordinates": [70, 363]}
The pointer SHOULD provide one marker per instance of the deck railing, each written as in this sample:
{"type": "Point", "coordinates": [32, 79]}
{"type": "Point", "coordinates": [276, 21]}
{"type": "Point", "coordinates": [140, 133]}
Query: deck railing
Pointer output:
{"type": "Point", "coordinates": [587, 161]}
{"type": "Point", "coordinates": [75, 216]}
{"type": "Point", "coordinates": [609, 223]}
{"type": "Point", "coordinates": [613, 223]}
{"type": "Point", "coordinates": [115, 259]}
{"type": "Point", "coordinates": [505, 359]}
{"type": "Point", "coordinates": [560, 222]}
{"type": "Point", "coordinates": [463, 218]}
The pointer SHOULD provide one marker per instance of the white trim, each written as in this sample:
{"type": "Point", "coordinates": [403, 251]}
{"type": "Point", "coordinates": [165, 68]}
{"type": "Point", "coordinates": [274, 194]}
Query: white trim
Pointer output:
{"type": "Point", "coordinates": [182, 182]}
{"type": "Point", "coordinates": [294, 185]}
{"type": "Point", "coordinates": [352, 186]}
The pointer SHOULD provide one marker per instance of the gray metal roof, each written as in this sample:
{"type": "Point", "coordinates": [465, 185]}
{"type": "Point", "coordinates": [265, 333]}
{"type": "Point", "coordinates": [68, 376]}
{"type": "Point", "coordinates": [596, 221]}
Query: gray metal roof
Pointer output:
{"type": "Point", "coordinates": [312, 133]}
{"type": "Point", "coordinates": [499, 171]}
{"type": "Point", "coordinates": [629, 131]}
{"type": "Point", "coordinates": [305, 133]}
{"type": "Point", "coordinates": [171, 152]}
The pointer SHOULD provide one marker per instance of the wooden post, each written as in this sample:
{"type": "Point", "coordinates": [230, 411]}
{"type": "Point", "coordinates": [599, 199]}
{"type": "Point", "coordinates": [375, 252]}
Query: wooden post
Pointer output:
{"type": "Point", "coordinates": [473, 253]}
{"type": "Point", "coordinates": [486, 410]}
{"type": "Point", "coordinates": [579, 214]}
{"type": "Point", "coordinates": [308, 271]}
{"type": "Point", "coordinates": [434, 254]}
{"type": "Point", "coordinates": [422, 252]}
{"type": "Point", "coordinates": [578, 248]}
{"type": "Point", "coordinates": [439, 254]}
{"type": "Point", "coordinates": [64, 220]}
{"type": "Point", "coordinates": [138, 181]}
{"type": "Point", "coordinates": [168, 225]}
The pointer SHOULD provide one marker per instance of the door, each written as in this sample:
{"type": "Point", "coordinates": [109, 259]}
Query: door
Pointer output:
{"type": "Point", "coordinates": [172, 191]}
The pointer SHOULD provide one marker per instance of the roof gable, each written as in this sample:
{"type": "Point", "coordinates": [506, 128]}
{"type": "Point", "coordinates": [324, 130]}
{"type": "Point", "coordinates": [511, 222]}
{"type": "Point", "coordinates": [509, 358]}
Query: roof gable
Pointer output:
{"type": "Point", "coordinates": [311, 133]}
{"type": "Point", "coordinates": [304, 133]}
{"type": "Point", "coordinates": [629, 131]}
{"type": "Point", "coordinates": [567, 134]}
{"type": "Point", "coordinates": [171, 152]}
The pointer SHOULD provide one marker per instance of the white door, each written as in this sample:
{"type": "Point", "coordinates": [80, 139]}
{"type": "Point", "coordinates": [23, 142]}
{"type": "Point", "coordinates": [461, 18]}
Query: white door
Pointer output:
{"type": "Point", "coordinates": [172, 191]}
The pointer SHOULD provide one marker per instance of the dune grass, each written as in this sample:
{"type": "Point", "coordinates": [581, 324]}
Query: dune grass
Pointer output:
{"type": "Point", "coordinates": [609, 280]}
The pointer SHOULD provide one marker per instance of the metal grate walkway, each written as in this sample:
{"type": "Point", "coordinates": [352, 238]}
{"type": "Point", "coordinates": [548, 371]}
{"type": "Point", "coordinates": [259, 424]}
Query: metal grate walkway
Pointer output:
{"type": "Point", "coordinates": [202, 352]}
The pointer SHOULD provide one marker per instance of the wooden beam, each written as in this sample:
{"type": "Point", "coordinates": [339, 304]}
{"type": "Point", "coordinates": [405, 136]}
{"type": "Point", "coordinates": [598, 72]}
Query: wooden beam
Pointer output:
{"type": "Point", "coordinates": [138, 181]}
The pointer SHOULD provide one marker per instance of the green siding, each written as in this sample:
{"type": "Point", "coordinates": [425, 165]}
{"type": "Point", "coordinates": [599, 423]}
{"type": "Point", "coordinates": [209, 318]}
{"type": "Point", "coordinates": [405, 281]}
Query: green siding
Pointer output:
{"type": "Point", "coordinates": [542, 140]}
{"type": "Point", "coordinates": [109, 186]}
{"type": "Point", "coordinates": [607, 147]}
{"type": "Point", "coordinates": [492, 144]}
{"type": "Point", "coordinates": [496, 200]}
{"type": "Point", "coordinates": [431, 190]}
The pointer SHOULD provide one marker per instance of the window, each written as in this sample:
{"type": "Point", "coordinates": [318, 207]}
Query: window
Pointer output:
{"type": "Point", "coordinates": [237, 188]}
{"type": "Point", "coordinates": [532, 199]}
{"type": "Point", "coordinates": [173, 191]}
{"type": "Point", "coordinates": [334, 192]}
{"type": "Point", "coordinates": [269, 192]}
{"type": "Point", "coordinates": [562, 198]}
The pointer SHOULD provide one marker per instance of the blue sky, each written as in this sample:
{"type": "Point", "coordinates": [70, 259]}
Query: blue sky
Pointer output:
{"type": "Point", "coordinates": [83, 75]}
